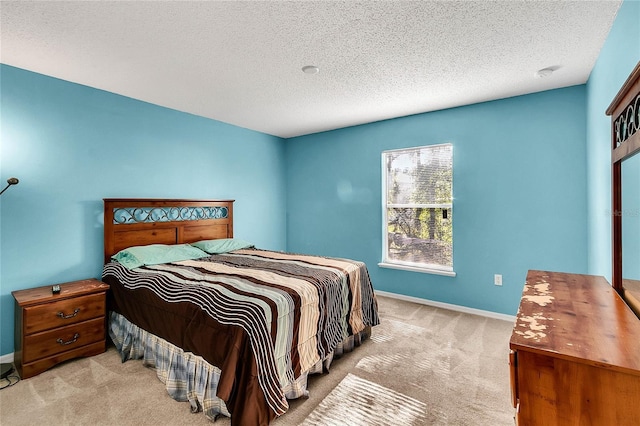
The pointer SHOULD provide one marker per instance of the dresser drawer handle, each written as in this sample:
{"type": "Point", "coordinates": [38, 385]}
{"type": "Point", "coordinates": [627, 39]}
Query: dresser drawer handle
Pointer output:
{"type": "Point", "coordinates": [63, 316]}
{"type": "Point", "coordinates": [75, 338]}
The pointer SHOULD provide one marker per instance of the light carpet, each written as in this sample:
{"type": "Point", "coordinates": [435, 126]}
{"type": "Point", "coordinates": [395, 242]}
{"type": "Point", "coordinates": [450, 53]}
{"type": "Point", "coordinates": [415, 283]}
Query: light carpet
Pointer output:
{"type": "Point", "coordinates": [422, 366]}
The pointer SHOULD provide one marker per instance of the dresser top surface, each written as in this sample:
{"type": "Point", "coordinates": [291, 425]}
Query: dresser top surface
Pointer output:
{"type": "Point", "coordinates": [38, 295]}
{"type": "Point", "coordinates": [577, 317]}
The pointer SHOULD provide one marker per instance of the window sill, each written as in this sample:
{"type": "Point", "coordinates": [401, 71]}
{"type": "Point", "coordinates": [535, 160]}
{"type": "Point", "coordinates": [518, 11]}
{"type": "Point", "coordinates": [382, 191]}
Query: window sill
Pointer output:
{"type": "Point", "coordinates": [417, 269]}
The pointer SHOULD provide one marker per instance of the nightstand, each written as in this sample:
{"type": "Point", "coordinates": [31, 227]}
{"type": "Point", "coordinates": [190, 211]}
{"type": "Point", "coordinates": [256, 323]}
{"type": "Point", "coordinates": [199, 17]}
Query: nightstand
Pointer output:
{"type": "Point", "coordinates": [52, 328]}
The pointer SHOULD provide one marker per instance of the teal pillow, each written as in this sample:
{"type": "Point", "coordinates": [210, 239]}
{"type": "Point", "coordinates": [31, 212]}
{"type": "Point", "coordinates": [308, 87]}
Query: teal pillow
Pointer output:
{"type": "Point", "coordinates": [135, 257]}
{"type": "Point", "coordinates": [223, 245]}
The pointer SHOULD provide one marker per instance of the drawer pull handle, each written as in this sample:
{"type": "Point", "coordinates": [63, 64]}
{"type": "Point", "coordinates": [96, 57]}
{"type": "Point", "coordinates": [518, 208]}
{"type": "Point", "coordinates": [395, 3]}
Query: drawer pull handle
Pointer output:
{"type": "Point", "coordinates": [63, 316]}
{"type": "Point", "coordinates": [75, 338]}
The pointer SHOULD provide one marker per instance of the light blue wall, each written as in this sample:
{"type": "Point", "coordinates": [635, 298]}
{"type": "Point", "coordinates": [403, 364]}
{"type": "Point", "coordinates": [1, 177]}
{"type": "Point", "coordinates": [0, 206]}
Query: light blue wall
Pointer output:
{"type": "Point", "coordinates": [618, 57]}
{"type": "Point", "coordinates": [519, 189]}
{"type": "Point", "coordinates": [71, 146]}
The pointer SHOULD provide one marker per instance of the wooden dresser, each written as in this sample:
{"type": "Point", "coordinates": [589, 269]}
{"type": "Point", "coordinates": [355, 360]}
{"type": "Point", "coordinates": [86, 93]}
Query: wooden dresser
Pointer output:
{"type": "Point", "coordinates": [575, 353]}
{"type": "Point", "coordinates": [51, 328]}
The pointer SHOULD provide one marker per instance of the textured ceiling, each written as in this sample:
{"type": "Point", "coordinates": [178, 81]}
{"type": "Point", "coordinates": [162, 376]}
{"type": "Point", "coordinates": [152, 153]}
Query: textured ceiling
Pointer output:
{"type": "Point", "coordinates": [240, 62]}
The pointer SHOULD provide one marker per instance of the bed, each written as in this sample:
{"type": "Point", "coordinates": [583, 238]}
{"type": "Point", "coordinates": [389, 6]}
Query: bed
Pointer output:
{"type": "Point", "coordinates": [233, 329]}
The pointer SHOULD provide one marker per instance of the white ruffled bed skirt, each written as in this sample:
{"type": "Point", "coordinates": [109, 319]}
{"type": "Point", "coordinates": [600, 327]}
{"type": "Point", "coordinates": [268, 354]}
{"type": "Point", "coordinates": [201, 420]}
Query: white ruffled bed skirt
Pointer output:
{"type": "Point", "coordinates": [188, 377]}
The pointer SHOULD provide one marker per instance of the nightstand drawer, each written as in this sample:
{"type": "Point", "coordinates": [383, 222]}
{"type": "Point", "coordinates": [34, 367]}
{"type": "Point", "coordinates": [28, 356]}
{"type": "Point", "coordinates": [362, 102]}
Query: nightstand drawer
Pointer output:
{"type": "Point", "coordinates": [63, 339]}
{"type": "Point", "coordinates": [63, 312]}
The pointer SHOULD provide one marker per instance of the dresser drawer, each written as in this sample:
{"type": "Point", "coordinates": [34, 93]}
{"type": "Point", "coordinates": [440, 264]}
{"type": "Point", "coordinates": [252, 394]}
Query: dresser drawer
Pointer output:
{"type": "Point", "coordinates": [63, 312]}
{"type": "Point", "coordinates": [46, 343]}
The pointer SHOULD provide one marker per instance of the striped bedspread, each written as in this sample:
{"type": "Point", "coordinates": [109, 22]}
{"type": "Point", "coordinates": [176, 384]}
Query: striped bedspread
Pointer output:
{"type": "Point", "coordinates": [284, 311]}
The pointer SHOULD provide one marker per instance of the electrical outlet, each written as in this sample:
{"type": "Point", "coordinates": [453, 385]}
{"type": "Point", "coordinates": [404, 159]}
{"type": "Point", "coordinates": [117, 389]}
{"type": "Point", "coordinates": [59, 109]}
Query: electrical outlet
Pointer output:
{"type": "Point", "coordinates": [497, 279]}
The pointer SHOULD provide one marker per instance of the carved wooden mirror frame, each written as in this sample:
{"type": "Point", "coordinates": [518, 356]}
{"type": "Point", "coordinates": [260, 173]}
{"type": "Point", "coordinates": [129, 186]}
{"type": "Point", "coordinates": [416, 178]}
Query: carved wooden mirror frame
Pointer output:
{"type": "Point", "coordinates": [625, 142]}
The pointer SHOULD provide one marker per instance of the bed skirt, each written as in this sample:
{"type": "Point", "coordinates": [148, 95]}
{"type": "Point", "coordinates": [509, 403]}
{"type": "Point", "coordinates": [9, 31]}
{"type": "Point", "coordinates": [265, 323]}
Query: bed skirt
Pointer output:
{"type": "Point", "coordinates": [188, 377]}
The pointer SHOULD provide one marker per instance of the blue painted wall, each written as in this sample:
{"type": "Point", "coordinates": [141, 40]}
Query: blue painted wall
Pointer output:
{"type": "Point", "coordinates": [618, 57]}
{"type": "Point", "coordinates": [71, 146]}
{"type": "Point", "coordinates": [519, 194]}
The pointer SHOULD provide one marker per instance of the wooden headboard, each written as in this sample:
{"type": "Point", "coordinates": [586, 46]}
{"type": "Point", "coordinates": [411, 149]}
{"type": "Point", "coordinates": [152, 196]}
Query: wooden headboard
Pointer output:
{"type": "Point", "coordinates": [142, 221]}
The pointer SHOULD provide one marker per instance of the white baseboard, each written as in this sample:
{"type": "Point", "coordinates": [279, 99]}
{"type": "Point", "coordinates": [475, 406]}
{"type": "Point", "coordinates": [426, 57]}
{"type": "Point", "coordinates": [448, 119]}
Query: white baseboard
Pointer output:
{"type": "Point", "coordinates": [457, 308]}
{"type": "Point", "coordinates": [6, 359]}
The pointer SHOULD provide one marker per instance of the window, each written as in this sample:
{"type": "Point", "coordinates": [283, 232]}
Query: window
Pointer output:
{"type": "Point", "coordinates": [417, 209]}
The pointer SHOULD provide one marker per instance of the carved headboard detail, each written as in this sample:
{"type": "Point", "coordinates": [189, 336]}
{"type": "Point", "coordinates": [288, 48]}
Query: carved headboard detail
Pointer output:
{"type": "Point", "coordinates": [142, 221]}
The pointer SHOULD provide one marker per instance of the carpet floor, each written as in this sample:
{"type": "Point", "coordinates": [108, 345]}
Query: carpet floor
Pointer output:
{"type": "Point", "coordinates": [422, 366]}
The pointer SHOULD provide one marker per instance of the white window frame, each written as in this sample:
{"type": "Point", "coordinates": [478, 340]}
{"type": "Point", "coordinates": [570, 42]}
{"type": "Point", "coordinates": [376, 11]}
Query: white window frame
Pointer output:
{"type": "Point", "coordinates": [397, 264]}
